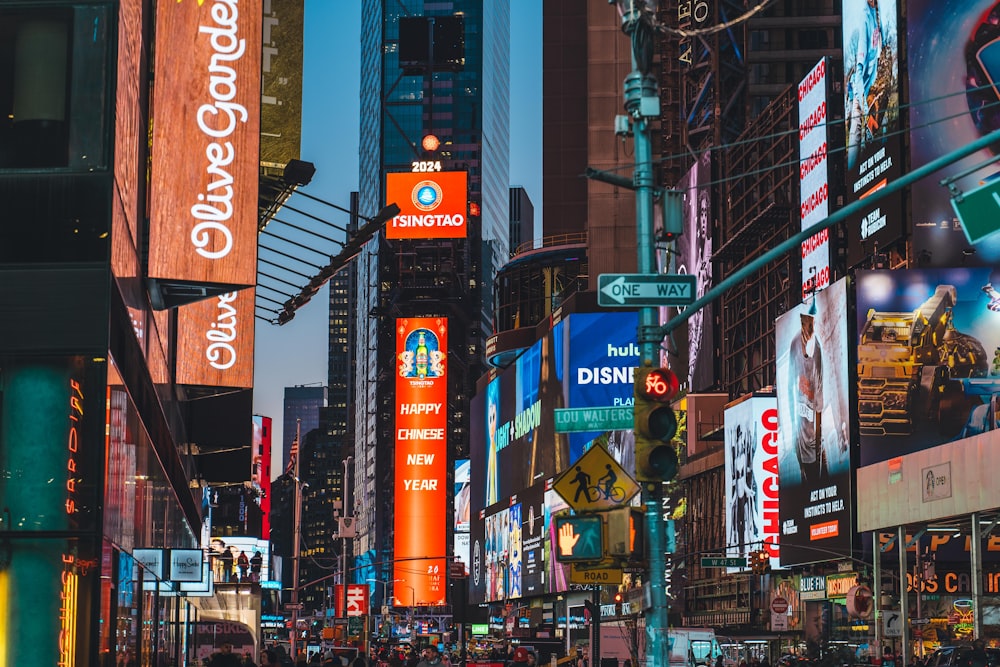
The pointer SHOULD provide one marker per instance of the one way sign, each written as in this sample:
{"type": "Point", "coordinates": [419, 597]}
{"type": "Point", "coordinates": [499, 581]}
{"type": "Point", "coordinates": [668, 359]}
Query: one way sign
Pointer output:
{"type": "Point", "coordinates": [642, 289]}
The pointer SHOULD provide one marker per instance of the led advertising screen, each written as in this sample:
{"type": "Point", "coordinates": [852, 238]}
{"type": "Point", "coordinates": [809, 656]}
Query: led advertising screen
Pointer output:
{"type": "Point", "coordinates": [752, 521]}
{"type": "Point", "coordinates": [814, 463]}
{"type": "Point", "coordinates": [512, 447]}
{"type": "Point", "coordinates": [692, 355]}
{"type": "Point", "coordinates": [603, 356]}
{"type": "Point", "coordinates": [431, 205]}
{"type": "Point", "coordinates": [814, 177]}
{"type": "Point", "coordinates": [421, 459]}
{"type": "Point", "coordinates": [874, 153]}
{"type": "Point", "coordinates": [928, 358]}
{"type": "Point", "coordinates": [260, 468]}
{"type": "Point", "coordinates": [463, 511]}
{"type": "Point", "coordinates": [206, 143]}
{"type": "Point", "coordinates": [952, 51]}
{"type": "Point", "coordinates": [508, 548]}
{"type": "Point", "coordinates": [215, 341]}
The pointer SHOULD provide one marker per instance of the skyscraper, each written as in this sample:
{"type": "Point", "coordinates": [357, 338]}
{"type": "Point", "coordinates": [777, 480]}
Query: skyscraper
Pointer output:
{"type": "Point", "coordinates": [434, 85]}
{"type": "Point", "coordinates": [300, 403]}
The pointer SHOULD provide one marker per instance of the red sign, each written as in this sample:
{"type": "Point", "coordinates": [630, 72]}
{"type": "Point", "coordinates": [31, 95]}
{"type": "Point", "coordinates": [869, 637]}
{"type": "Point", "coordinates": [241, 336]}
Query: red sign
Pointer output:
{"type": "Point", "coordinates": [421, 460]}
{"type": "Point", "coordinates": [206, 142]}
{"type": "Point", "coordinates": [779, 605]}
{"type": "Point", "coordinates": [431, 206]}
{"type": "Point", "coordinates": [357, 600]}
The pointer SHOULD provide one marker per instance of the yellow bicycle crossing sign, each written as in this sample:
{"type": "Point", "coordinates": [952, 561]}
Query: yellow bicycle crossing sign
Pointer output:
{"type": "Point", "coordinates": [595, 482]}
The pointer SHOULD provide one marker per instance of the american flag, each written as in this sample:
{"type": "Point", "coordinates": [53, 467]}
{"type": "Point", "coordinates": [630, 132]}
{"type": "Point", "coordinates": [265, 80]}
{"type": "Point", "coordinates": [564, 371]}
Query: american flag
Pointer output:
{"type": "Point", "coordinates": [292, 455]}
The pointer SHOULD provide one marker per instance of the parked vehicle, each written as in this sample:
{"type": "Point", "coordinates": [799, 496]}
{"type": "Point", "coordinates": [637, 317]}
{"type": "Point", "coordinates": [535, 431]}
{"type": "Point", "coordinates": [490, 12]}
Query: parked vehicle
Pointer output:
{"type": "Point", "coordinates": [958, 656]}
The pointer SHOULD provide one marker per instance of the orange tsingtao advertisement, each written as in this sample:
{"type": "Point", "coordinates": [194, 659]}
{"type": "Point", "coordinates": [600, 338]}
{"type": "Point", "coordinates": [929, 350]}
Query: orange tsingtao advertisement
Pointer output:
{"type": "Point", "coordinates": [421, 460]}
{"type": "Point", "coordinates": [431, 205]}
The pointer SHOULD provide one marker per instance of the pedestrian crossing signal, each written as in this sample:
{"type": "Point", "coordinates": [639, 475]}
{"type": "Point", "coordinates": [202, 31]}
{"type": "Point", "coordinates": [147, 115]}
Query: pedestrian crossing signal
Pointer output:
{"type": "Point", "coordinates": [579, 538]}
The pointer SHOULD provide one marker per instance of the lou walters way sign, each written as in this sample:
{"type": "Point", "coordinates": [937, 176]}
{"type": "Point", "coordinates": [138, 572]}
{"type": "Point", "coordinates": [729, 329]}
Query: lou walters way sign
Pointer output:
{"type": "Point", "coordinates": [206, 142]}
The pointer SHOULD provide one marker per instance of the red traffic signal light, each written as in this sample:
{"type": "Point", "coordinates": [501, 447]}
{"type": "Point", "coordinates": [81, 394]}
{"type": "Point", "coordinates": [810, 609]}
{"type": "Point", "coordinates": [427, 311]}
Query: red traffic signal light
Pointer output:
{"type": "Point", "coordinates": [658, 384]}
{"type": "Point", "coordinates": [655, 424]}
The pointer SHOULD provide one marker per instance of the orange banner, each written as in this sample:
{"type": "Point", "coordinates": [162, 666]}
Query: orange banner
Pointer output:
{"type": "Point", "coordinates": [421, 460]}
{"type": "Point", "coordinates": [431, 205]}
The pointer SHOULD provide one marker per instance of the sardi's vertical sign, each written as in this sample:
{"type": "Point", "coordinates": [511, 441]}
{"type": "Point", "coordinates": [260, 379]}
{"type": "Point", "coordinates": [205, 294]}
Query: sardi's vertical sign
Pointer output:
{"type": "Point", "coordinates": [206, 142]}
{"type": "Point", "coordinates": [813, 177]}
{"type": "Point", "coordinates": [431, 206]}
{"type": "Point", "coordinates": [215, 341]}
{"type": "Point", "coordinates": [421, 459]}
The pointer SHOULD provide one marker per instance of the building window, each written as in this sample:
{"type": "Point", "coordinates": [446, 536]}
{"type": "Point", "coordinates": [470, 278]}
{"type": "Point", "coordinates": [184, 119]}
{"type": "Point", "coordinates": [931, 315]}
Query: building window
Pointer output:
{"type": "Point", "coordinates": [53, 86]}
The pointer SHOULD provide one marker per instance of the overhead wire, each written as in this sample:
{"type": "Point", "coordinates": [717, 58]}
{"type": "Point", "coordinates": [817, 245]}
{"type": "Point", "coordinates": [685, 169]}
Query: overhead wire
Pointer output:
{"type": "Point", "coordinates": [773, 136]}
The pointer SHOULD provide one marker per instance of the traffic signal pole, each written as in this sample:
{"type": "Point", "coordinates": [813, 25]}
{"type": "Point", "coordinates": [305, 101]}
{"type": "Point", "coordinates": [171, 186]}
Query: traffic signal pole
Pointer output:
{"type": "Point", "coordinates": [642, 104]}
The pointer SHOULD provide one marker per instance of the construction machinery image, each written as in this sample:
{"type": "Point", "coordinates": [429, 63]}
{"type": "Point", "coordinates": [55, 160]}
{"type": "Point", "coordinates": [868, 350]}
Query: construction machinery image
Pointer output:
{"type": "Point", "coordinates": [913, 371]}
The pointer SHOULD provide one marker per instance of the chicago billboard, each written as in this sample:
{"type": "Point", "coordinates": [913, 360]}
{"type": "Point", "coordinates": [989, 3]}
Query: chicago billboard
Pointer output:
{"type": "Point", "coordinates": [206, 143]}
{"type": "Point", "coordinates": [871, 123]}
{"type": "Point", "coordinates": [953, 69]}
{"type": "Point", "coordinates": [215, 340]}
{"type": "Point", "coordinates": [814, 177]}
{"type": "Point", "coordinates": [928, 358]}
{"type": "Point", "coordinates": [431, 205]}
{"type": "Point", "coordinates": [421, 459]}
{"type": "Point", "coordinates": [752, 521]}
{"type": "Point", "coordinates": [814, 463]}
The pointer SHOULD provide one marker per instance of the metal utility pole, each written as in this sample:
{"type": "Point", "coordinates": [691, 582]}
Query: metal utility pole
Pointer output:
{"type": "Point", "coordinates": [296, 542]}
{"type": "Point", "coordinates": [642, 105]}
{"type": "Point", "coordinates": [342, 528]}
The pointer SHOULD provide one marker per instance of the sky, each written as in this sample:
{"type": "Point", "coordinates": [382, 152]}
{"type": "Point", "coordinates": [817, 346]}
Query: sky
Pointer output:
{"type": "Point", "coordinates": [296, 353]}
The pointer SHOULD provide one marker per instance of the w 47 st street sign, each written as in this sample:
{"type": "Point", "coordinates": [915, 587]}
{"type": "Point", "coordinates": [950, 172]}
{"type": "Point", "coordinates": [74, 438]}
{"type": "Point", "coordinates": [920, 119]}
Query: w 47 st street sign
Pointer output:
{"type": "Point", "coordinates": [644, 289]}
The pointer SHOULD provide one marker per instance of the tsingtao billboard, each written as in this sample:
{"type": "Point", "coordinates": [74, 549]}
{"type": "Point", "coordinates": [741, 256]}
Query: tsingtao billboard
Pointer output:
{"type": "Point", "coordinates": [431, 205]}
{"type": "Point", "coordinates": [421, 462]}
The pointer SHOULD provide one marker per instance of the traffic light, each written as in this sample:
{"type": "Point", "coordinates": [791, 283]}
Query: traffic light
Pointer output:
{"type": "Point", "coordinates": [672, 214]}
{"type": "Point", "coordinates": [579, 538]}
{"type": "Point", "coordinates": [625, 533]}
{"type": "Point", "coordinates": [655, 424]}
{"type": "Point", "coordinates": [760, 562]}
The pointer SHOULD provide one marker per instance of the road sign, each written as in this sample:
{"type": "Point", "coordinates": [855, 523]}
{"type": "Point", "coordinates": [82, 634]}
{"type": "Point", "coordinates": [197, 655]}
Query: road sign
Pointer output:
{"type": "Point", "coordinates": [644, 289]}
{"type": "Point", "coordinates": [779, 622]}
{"type": "Point", "coordinates": [581, 575]}
{"type": "Point", "coordinates": [779, 605]}
{"type": "Point", "coordinates": [723, 562]}
{"type": "Point", "coordinates": [293, 606]}
{"type": "Point", "coordinates": [578, 420]}
{"type": "Point", "coordinates": [595, 482]}
{"type": "Point", "coordinates": [920, 621]}
{"type": "Point", "coordinates": [979, 211]}
{"type": "Point", "coordinates": [892, 624]}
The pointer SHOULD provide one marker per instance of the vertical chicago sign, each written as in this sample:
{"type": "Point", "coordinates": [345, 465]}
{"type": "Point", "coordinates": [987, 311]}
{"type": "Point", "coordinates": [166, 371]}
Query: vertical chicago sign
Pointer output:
{"type": "Point", "coordinates": [421, 461]}
{"type": "Point", "coordinates": [206, 142]}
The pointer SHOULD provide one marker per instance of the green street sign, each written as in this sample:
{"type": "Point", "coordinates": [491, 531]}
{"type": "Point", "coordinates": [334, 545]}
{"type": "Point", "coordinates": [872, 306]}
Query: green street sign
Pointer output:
{"type": "Point", "coordinates": [979, 211]}
{"type": "Point", "coordinates": [723, 562]}
{"type": "Point", "coordinates": [644, 289]}
{"type": "Point", "coordinates": [578, 420]}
